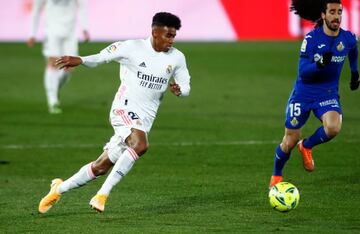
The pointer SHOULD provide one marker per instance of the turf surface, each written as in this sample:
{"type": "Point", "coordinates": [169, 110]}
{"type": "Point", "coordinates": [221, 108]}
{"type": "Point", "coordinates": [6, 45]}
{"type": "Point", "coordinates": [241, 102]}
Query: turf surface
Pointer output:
{"type": "Point", "coordinates": [210, 157]}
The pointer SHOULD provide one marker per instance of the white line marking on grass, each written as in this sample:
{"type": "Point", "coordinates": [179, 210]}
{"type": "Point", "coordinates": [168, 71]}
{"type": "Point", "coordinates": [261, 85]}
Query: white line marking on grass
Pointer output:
{"type": "Point", "coordinates": [189, 143]}
{"type": "Point", "coordinates": [199, 143]}
{"type": "Point", "coordinates": [48, 146]}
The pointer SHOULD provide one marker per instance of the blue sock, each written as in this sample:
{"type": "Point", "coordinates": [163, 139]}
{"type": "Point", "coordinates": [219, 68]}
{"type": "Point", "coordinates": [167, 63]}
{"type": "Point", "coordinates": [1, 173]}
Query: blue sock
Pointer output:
{"type": "Point", "coordinates": [317, 138]}
{"type": "Point", "coordinates": [279, 161]}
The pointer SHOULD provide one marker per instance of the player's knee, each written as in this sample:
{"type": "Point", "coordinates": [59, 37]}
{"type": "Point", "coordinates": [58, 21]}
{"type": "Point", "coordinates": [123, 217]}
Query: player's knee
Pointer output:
{"type": "Point", "coordinates": [98, 169]}
{"type": "Point", "coordinates": [138, 142]}
{"type": "Point", "coordinates": [51, 62]}
{"type": "Point", "coordinates": [288, 144]}
{"type": "Point", "coordinates": [141, 147]}
{"type": "Point", "coordinates": [332, 130]}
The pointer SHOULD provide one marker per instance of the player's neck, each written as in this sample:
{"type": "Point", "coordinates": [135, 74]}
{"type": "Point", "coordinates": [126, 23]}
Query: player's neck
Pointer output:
{"type": "Point", "coordinates": [153, 44]}
{"type": "Point", "coordinates": [330, 32]}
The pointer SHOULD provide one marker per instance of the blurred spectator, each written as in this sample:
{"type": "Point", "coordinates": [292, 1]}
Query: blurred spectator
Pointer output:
{"type": "Point", "coordinates": [60, 39]}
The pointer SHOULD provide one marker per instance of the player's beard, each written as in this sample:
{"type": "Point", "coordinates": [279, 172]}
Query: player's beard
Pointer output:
{"type": "Point", "coordinates": [332, 28]}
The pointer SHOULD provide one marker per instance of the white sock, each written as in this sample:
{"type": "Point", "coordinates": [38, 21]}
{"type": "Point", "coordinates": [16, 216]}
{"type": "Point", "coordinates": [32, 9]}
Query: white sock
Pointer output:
{"type": "Point", "coordinates": [122, 166]}
{"type": "Point", "coordinates": [65, 77]}
{"type": "Point", "coordinates": [84, 175]}
{"type": "Point", "coordinates": [52, 83]}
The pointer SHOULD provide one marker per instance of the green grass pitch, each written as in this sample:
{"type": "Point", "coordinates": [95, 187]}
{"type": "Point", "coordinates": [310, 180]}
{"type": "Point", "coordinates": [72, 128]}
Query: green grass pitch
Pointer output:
{"type": "Point", "coordinates": [210, 157]}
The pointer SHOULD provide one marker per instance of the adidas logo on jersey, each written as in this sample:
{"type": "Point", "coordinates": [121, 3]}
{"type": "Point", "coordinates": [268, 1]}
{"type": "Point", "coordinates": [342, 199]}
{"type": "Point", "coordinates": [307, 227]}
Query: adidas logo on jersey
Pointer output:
{"type": "Point", "coordinates": [142, 64]}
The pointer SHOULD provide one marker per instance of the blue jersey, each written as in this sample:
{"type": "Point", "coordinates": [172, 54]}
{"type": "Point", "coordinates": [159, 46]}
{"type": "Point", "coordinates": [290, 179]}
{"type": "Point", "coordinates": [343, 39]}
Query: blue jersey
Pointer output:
{"type": "Point", "coordinates": [315, 83]}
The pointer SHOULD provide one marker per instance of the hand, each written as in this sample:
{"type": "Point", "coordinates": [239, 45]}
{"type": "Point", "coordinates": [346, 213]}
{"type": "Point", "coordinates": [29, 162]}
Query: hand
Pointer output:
{"type": "Point", "coordinates": [30, 42]}
{"type": "Point", "coordinates": [86, 36]}
{"type": "Point", "coordinates": [175, 89]}
{"type": "Point", "coordinates": [324, 60]}
{"type": "Point", "coordinates": [67, 62]}
{"type": "Point", "coordinates": [355, 81]}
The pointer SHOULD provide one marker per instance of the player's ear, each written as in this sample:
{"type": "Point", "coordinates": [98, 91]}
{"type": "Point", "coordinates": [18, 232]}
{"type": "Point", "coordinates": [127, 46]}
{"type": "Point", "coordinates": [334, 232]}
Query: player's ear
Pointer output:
{"type": "Point", "coordinates": [322, 15]}
{"type": "Point", "coordinates": [155, 32]}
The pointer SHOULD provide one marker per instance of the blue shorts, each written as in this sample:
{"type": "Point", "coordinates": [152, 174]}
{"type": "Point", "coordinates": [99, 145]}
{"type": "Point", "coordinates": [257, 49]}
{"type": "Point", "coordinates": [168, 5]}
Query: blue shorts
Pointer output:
{"type": "Point", "coordinates": [297, 113]}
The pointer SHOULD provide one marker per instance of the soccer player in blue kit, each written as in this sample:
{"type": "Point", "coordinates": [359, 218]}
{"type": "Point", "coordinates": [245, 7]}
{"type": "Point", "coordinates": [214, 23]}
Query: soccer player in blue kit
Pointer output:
{"type": "Point", "coordinates": [322, 56]}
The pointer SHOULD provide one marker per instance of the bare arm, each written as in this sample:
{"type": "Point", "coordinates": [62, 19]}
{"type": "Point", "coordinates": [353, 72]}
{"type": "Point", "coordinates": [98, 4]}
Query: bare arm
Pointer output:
{"type": "Point", "coordinates": [34, 21]}
{"type": "Point", "coordinates": [86, 35]}
{"type": "Point", "coordinates": [83, 18]}
{"type": "Point", "coordinates": [30, 42]}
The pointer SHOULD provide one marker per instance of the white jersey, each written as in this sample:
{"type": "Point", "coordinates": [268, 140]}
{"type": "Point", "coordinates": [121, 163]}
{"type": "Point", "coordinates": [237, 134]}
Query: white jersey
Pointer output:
{"type": "Point", "coordinates": [144, 74]}
{"type": "Point", "coordinates": [60, 16]}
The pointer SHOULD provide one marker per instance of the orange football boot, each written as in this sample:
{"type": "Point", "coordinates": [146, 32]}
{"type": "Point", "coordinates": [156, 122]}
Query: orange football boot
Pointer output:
{"type": "Point", "coordinates": [306, 154]}
{"type": "Point", "coordinates": [98, 202]}
{"type": "Point", "coordinates": [274, 180]}
{"type": "Point", "coordinates": [51, 198]}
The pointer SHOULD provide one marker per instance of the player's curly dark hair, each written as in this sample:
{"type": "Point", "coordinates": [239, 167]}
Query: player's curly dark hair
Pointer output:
{"type": "Point", "coordinates": [166, 19]}
{"type": "Point", "coordinates": [311, 9]}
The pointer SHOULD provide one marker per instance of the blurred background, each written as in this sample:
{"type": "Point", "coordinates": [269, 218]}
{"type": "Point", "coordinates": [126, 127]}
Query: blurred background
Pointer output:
{"type": "Point", "coordinates": [208, 20]}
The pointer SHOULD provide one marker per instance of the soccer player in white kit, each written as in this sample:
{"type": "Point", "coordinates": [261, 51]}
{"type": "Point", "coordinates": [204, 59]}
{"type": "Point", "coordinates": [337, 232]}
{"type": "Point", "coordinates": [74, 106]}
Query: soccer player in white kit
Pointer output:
{"type": "Point", "coordinates": [60, 39]}
{"type": "Point", "coordinates": [146, 67]}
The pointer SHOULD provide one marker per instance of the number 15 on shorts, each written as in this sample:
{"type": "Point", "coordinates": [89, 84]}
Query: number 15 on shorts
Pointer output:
{"type": "Point", "coordinates": [295, 109]}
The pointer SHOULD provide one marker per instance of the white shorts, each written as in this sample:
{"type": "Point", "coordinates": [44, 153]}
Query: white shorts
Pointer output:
{"type": "Point", "coordinates": [123, 120]}
{"type": "Point", "coordinates": [56, 46]}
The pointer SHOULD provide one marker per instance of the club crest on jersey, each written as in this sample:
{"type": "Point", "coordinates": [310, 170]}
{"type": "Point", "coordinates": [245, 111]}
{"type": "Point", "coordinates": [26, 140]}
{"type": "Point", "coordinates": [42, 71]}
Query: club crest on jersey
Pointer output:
{"type": "Point", "coordinates": [294, 122]}
{"type": "Point", "coordinates": [340, 47]}
{"type": "Point", "coordinates": [169, 69]}
{"type": "Point", "coordinates": [112, 48]}
{"type": "Point", "coordinates": [317, 57]}
{"type": "Point", "coordinates": [303, 46]}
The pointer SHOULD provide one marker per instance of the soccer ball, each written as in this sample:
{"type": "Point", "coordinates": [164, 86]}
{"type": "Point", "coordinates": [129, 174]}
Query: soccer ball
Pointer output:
{"type": "Point", "coordinates": [284, 196]}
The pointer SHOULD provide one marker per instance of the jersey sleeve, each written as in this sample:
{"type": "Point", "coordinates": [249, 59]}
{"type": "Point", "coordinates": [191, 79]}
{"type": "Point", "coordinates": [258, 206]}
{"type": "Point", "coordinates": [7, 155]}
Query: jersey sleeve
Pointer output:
{"type": "Point", "coordinates": [182, 76]}
{"type": "Point", "coordinates": [114, 52]}
{"type": "Point", "coordinates": [117, 51]}
{"type": "Point", "coordinates": [354, 55]}
{"type": "Point", "coordinates": [307, 63]}
{"type": "Point", "coordinates": [35, 16]}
